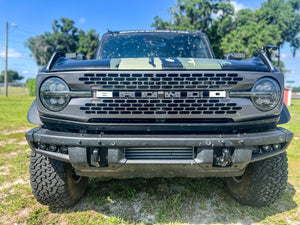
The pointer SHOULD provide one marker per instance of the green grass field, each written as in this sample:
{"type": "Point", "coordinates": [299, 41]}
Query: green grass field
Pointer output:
{"type": "Point", "coordinates": [15, 91]}
{"type": "Point", "coordinates": [133, 201]}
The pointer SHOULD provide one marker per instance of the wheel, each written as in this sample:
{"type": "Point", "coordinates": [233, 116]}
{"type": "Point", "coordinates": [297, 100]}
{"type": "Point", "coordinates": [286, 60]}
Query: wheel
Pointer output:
{"type": "Point", "coordinates": [263, 182]}
{"type": "Point", "coordinates": [54, 183]}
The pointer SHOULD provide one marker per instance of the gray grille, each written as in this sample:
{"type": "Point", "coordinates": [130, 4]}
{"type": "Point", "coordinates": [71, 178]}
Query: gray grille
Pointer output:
{"type": "Point", "coordinates": [159, 153]}
{"type": "Point", "coordinates": [160, 106]}
{"type": "Point", "coordinates": [160, 81]}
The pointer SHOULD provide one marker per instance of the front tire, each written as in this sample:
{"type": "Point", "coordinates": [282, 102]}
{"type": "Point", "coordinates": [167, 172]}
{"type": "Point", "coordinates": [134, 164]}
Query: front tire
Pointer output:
{"type": "Point", "coordinates": [263, 182]}
{"type": "Point", "coordinates": [54, 183]}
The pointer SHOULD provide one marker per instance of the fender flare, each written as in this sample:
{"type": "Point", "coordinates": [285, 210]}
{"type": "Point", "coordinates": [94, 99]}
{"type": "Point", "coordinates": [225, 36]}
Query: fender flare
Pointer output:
{"type": "Point", "coordinates": [33, 116]}
{"type": "Point", "coordinates": [284, 115]}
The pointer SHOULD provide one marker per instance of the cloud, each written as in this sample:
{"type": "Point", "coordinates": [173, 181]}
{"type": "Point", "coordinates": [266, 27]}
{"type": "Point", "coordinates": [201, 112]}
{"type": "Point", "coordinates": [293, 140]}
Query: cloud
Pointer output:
{"type": "Point", "coordinates": [12, 53]}
{"type": "Point", "coordinates": [28, 73]}
{"type": "Point", "coordinates": [238, 6]}
{"type": "Point", "coordinates": [290, 55]}
{"type": "Point", "coordinates": [82, 20]}
{"type": "Point", "coordinates": [284, 56]}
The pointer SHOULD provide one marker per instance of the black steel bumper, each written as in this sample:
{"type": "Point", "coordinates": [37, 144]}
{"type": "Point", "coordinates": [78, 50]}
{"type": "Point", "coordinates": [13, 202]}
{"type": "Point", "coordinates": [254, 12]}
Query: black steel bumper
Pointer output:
{"type": "Point", "coordinates": [106, 155]}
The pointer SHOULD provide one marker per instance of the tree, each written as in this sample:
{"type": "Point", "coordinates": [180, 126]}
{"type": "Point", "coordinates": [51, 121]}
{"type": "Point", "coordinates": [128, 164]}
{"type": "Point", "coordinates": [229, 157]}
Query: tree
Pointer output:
{"type": "Point", "coordinates": [159, 24]}
{"type": "Point", "coordinates": [189, 15]}
{"type": "Point", "coordinates": [200, 15]}
{"type": "Point", "coordinates": [12, 76]}
{"type": "Point", "coordinates": [250, 37]}
{"type": "Point", "coordinates": [88, 43]}
{"type": "Point", "coordinates": [31, 85]}
{"type": "Point", "coordinates": [221, 26]}
{"type": "Point", "coordinates": [66, 38]}
{"type": "Point", "coordinates": [276, 22]}
{"type": "Point", "coordinates": [285, 14]}
{"type": "Point", "coordinates": [41, 47]}
{"type": "Point", "coordinates": [65, 35]}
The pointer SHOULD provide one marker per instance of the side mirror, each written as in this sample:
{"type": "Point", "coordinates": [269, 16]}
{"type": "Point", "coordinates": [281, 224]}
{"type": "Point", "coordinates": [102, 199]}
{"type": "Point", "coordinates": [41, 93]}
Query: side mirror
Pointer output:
{"type": "Point", "coordinates": [268, 50]}
{"type": "Point", "coordinates": [235, 56]}
{"type": "Point", "coordinates": [267, 47]}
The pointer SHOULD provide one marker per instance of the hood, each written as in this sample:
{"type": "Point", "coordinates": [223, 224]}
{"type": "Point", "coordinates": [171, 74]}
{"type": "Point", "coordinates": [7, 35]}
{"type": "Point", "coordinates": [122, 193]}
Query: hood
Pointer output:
{"type": "Point", "coordinates": [65, 64]}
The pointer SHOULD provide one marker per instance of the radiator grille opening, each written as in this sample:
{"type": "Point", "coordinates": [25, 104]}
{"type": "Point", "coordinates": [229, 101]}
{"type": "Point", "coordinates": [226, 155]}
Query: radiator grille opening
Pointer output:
{"type": "Point", "coordinates": [166, 81]}
{"type": "Point", "coordinates": [158, 106]}
{"type": "Point", "coordinates": [148, 153]}
{"type": "Point", "coordinates": [161, 94]}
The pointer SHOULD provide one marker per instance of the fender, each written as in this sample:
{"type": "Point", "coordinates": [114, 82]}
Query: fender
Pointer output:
{"type": "Point", "coordinates": [284, 115]}
{"type": "Point", "coordinates": [33, 115]}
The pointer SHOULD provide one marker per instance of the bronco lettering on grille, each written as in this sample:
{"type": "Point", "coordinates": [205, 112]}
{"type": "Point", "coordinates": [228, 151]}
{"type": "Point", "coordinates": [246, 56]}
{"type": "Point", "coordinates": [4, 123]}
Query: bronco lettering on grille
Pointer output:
{"type": "Point", "coordinates": [161, 94]}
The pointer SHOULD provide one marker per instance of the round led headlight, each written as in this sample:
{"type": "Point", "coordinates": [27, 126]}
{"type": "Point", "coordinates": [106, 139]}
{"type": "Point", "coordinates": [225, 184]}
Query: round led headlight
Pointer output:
{"type": "Point", "coordinates": [266, 94]}
{"type": "Point", "coordinates": [54, 94]}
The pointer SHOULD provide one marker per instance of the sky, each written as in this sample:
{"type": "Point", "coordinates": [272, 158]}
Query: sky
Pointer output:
{"type": "Point", "coordinates": [34, 17]}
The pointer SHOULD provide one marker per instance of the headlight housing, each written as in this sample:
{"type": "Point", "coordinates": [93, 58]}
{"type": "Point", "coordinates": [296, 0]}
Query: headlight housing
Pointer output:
{"type": "Point", "coordinates": [54, 94]}
{"type": "Point", "coordinates": [266, 94]}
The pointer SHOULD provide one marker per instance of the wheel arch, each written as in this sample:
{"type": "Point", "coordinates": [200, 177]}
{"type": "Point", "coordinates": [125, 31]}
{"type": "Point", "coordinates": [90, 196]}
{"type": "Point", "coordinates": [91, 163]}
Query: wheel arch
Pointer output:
{"type": "Point", "coordinates": [33, 116]}
{"type": "Point", "coordinates": [284, 115]}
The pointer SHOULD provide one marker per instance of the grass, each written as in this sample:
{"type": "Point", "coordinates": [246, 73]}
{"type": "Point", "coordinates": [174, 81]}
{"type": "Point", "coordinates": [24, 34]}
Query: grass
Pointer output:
{"type": "Point", "coordinates": [133, 201]}
{"type": "Point", "coordinates": [15, 91]}
{"type": "Point", "coordinates": [13, 114]}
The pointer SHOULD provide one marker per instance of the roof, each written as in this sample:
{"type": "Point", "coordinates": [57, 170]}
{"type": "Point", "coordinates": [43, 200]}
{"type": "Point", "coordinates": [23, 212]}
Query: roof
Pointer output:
{"type": "Point", "coordinates": [154, 31]}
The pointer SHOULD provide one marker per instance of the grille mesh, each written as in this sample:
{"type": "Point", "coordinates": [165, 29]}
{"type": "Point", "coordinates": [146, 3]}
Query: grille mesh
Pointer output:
{"type": "Point", "coordinates": [159, 153]}
{"type": "Point", "coordinates": [160, 106]}
{"type": "Point", "coordinates": [185, 105]}
{"type": "Point", "coordinates": [160, 81]}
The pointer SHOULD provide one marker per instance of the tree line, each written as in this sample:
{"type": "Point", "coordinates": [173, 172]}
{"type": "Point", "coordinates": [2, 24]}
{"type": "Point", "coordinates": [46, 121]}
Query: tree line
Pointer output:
{"type": "Point", "coordinates": [276, 22]}
{"type": "Point", "coordinates": [66, 38]}
{"type": "Point", "coordinates": [12, 76]}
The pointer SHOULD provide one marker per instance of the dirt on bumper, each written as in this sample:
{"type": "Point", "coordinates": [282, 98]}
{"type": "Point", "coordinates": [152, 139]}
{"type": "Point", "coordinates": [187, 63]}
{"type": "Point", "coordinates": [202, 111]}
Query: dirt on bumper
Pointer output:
{"type": "Point", "coordinates": [128, 156]}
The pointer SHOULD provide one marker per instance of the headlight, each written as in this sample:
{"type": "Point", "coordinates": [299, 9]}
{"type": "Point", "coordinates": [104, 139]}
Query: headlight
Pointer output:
{"type": "Point", "coordinates": [266, 94]}
{"type": "Point", "coordinates": [54, 94]}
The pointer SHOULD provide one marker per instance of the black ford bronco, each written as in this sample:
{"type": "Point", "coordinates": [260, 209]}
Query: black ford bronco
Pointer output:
{"type": "Point", "coordinates": [158, 104]}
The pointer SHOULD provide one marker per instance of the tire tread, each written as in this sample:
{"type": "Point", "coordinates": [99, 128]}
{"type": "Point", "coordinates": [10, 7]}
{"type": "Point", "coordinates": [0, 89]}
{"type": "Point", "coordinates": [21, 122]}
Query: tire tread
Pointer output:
{"type": "Point", "coordinates": [268, 182]}
{"type": "Point", "coordinates": [49, 182]}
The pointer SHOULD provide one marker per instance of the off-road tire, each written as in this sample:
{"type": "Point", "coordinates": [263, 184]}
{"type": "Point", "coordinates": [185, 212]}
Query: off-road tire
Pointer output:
{"type": "Point", "coordinates": [54, 182]}
{"type": "Point", "coordinates": [263, 182]}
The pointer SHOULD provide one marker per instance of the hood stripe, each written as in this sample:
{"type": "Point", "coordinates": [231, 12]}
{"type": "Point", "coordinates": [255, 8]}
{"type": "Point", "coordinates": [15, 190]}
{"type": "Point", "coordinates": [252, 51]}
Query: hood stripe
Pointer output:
{"type": "Point", "coordinates": [171, 63]}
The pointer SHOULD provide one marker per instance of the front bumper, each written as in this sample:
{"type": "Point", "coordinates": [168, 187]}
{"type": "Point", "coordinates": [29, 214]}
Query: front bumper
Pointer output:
{"type": "Point", "coordinates": [107, 155]}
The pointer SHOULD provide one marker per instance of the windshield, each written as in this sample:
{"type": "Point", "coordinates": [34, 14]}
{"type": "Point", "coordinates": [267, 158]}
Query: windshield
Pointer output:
{"type": "Point", "coordinates": [146, 45]}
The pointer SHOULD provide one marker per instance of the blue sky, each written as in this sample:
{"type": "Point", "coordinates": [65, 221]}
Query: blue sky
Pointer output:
{"type": "Point", "coordinates": [33, 17]}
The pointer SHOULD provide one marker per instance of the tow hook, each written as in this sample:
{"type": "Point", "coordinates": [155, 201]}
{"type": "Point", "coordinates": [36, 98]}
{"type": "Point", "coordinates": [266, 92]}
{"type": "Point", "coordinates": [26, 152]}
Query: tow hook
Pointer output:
{"type": "Point", "coordinates": [95, 158]}
{"type": "Point", "coordinates": [224, 159]}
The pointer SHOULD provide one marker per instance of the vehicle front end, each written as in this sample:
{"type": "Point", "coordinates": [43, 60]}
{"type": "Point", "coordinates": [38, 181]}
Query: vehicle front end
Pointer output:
{"type": "Point", "coordinates": [159, 116]}
{"type": "Point", "coordinates": [114, 123]}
